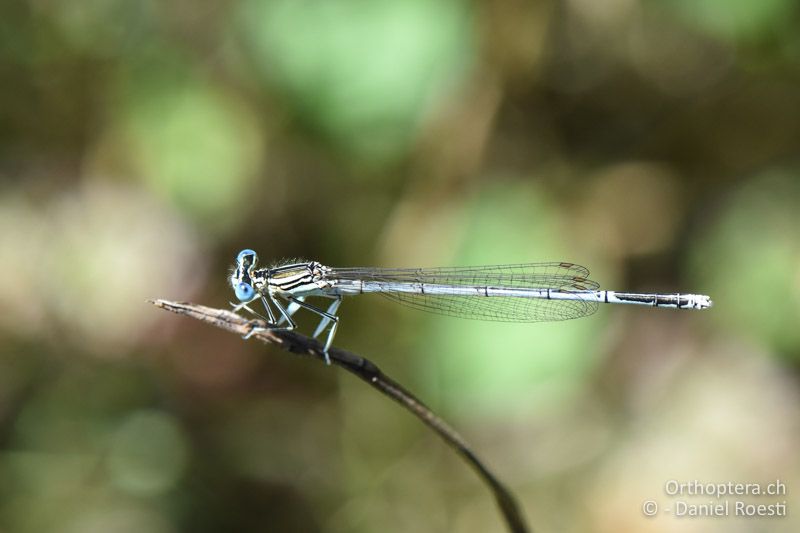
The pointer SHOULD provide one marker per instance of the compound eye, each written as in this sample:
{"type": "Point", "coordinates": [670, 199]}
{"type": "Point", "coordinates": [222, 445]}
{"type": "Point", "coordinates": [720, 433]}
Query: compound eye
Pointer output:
{"type": "Point", "coordinates": [247, 258]}
{"type": "Point", "coordinates": [244, 292]}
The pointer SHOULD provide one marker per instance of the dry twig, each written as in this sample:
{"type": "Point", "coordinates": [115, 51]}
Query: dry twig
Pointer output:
{"type": "Point", "coordinates": [367, 371]}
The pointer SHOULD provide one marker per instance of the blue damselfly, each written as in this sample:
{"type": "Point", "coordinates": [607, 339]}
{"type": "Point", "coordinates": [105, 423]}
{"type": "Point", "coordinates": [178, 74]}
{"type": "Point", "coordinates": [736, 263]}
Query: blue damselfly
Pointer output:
{"type": "Point", "coordinates": [533, 292]}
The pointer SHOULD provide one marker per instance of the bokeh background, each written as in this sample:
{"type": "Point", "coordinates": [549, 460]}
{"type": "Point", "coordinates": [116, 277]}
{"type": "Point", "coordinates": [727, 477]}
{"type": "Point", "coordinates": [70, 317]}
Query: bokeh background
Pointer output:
{"type": "Point", "coordinates": [143, 144]}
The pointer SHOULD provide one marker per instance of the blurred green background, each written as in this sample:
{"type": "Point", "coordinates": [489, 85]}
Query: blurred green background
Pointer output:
{"type": "Point", "coordinates": [143, 144]}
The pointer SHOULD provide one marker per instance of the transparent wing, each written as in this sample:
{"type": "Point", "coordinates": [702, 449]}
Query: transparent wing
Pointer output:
{"type": "Point", "coordinates": [565, 277]}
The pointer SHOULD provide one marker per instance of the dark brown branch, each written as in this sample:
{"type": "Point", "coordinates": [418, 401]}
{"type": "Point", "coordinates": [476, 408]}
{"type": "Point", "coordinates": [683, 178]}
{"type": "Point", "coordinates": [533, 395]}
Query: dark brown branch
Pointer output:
{"type": "Point", "coordinates": [367, 371]}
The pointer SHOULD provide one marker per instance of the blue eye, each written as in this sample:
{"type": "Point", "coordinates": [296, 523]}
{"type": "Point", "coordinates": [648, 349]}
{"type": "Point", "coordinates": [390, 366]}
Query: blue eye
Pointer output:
{"type": "Point", "coordinates": [248, 256]}
{"type": "Point", "coordinates": [244, 292]}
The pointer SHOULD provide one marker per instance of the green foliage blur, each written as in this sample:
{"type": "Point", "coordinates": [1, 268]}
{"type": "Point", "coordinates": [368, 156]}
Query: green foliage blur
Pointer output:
{"type": "Point", "coordinates": [143, 144]}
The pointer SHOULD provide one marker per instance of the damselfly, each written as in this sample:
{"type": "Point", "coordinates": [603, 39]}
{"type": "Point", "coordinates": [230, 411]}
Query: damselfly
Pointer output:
{"type": "Point", "coordinates": [533, 292]}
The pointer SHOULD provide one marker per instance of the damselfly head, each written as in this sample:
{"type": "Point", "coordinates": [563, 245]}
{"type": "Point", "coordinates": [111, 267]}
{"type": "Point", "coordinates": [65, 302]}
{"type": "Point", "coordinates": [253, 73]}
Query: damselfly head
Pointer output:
{"type": "Point", "coordinates": [247, 259]}
{"type": "Point", "coordinates": [241, 279]}
{"type": "Point", "coordinates": [244, 292]}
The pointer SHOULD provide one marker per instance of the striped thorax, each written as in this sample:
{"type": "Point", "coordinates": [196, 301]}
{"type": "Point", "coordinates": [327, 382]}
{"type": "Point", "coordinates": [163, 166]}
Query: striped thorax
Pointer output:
{"type": "Point", "coordinates": [295, 279]}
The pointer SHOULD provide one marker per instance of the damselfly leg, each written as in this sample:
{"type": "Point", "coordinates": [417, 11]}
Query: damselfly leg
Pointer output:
{"type": "Point", "coordinates": [272, 324]}
{"type": "Point", "coordinates": [292, 308]}
{"type": "Point", "coordinates": [325, 320]}
{"type": "Point", "coordinates": [328, 317]}
{"type": "Point", "coordinates": [269, 311]}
